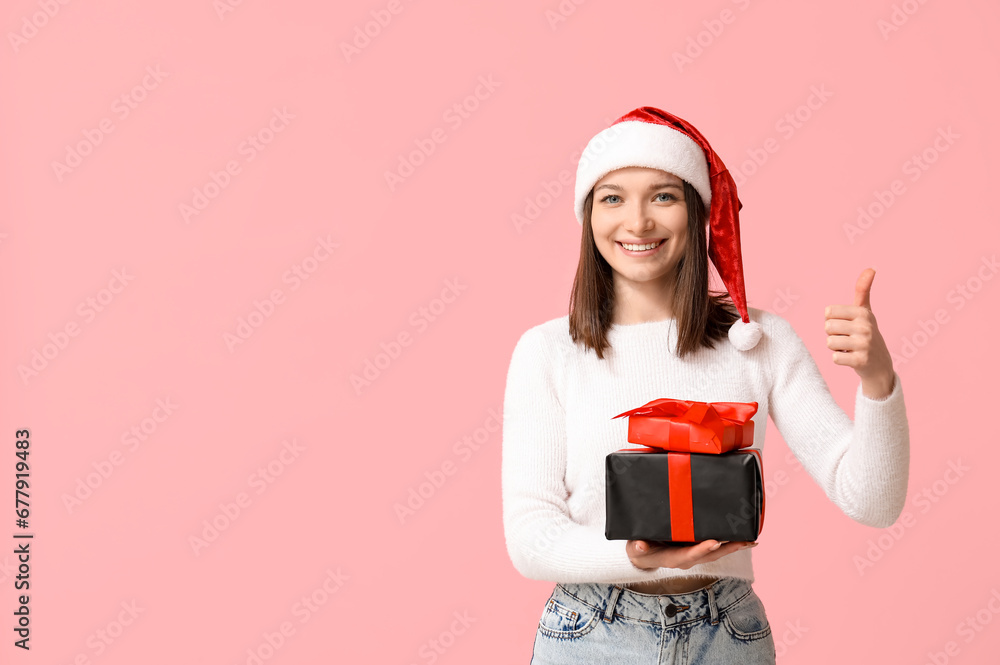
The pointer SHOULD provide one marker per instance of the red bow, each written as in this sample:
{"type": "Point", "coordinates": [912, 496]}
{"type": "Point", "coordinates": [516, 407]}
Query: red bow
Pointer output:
{"type": "Point", "coordinates": [689, 426]}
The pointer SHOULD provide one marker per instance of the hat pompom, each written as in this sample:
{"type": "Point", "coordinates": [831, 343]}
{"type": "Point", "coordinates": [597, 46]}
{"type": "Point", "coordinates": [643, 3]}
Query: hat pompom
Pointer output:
{"type": "Point", "coordinates": [745, 336]}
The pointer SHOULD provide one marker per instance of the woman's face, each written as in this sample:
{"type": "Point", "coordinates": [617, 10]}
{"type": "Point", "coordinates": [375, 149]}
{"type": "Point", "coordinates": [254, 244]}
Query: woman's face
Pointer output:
{"type": "Point", "coordinates": [636, 207]}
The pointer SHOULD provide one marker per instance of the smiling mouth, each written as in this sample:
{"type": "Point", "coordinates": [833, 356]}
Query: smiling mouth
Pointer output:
{"type": "Point", "coordinates": [642, 247]}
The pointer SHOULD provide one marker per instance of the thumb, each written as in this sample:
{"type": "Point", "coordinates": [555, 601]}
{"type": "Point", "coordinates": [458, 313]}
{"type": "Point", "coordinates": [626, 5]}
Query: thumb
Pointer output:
{"type": "Point", "coordinates": [863, 288]}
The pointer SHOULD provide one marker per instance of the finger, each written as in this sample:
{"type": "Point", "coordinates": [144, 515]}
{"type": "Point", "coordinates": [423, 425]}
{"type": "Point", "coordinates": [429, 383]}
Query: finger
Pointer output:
{"type": "Point", "coordinates": [849, 358]}
{"type": "Point", "coordinates": [704, 551]}
{"type": "Point", "coordinates": [839, 327]}
{"type": "Point", "coordinates": [843, 343]}
{"type": "Point", "coordinates": [650, 546]}
{"type": "Point", "coordinates": [844, 311]}
{"type": "Point", "coordinates": [728, 548]}
{"type": "Point", "coordinates": [863, 288]}
{"type": "Point", "coordinates": [700, 549]}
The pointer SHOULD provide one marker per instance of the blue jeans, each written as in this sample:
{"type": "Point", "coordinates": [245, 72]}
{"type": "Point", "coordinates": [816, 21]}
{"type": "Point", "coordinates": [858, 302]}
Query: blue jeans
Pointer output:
{"type": "Point", "coordinates": [723, 622]}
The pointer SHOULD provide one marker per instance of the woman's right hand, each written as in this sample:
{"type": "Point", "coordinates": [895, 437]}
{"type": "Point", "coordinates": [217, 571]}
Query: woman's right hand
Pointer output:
{"type": "Point", "coordinates": [649, 555]}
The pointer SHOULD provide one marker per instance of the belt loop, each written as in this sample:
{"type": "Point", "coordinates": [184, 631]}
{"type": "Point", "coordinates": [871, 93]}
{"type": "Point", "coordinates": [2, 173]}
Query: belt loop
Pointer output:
{"type": "Point", "coordinates": [609, 611]}
{"type": "Point", "coordinates": [712, 607]}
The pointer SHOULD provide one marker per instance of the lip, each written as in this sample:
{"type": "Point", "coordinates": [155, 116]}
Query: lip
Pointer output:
{"type": "Point", "coordinates": [645, 252]}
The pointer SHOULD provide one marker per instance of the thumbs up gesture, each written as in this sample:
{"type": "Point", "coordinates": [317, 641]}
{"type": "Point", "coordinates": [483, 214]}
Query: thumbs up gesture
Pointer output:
{"type": "Point", "coordinates": [853, 335]}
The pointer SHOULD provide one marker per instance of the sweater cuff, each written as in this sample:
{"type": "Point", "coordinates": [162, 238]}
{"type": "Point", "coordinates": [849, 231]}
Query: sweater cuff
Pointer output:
{"type": "Point", "coordinates": [882, 416]}
{"type": "Point", "coordinates": [895, 396]}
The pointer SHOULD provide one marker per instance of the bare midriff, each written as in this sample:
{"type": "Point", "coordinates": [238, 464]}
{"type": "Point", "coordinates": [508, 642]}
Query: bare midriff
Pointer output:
{"type": "Point", "coordinates": [680, 585]}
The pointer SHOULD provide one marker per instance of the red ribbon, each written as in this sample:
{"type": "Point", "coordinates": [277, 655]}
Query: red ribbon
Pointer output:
{"type": "Point", "coordinates": [681, 501]}
{"type": "Point", "coordinates": [690, 426]}
{"type": "Point", "coordinates": [763, 493]}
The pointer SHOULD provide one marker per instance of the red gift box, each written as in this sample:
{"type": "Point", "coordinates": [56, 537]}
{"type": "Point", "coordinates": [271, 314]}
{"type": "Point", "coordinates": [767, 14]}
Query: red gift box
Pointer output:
{"type": "Point", "coordinates": [692, 427]}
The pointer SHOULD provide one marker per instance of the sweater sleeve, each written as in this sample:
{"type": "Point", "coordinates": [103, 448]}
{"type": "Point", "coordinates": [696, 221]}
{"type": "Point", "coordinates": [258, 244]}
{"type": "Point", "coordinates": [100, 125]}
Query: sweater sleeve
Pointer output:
{"type": "Point", "coordinates": [543, 542]}
{"type": "Point", "coordinates": [862, 466]}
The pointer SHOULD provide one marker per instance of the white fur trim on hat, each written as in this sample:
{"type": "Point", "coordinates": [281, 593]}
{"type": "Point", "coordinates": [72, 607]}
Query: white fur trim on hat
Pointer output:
{"type": "Point", "coordinates": [637, 143]}
{"type": "Point", "coordinates": [745, 336]}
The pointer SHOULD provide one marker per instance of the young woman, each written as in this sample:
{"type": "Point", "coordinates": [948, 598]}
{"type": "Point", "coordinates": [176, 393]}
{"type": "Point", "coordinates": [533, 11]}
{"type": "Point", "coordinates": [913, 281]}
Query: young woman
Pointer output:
{"type": "Point", "coordinates": [655, 203]}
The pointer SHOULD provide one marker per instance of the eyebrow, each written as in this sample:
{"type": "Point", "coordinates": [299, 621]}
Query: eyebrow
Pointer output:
{"type": "Point", "coordinates": [662, 185]}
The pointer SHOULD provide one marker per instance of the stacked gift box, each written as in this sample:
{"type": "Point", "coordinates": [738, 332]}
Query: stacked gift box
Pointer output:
{"type": "Point", "coordinates": [694, 478]}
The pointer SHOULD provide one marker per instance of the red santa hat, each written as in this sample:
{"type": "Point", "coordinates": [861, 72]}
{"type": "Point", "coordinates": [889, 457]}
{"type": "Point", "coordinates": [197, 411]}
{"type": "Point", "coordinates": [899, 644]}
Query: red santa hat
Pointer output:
{"type": "Point", "coordinates": [656, 139]}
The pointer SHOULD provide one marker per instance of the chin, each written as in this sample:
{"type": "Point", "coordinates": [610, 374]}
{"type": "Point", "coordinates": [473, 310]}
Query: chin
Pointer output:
{"type": "Point", "coordinates": [635, 275]}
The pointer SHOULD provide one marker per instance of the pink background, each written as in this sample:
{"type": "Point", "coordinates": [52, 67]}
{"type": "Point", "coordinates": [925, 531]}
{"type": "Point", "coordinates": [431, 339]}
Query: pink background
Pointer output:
{"type": "Point", "coordinates": [319, 177]}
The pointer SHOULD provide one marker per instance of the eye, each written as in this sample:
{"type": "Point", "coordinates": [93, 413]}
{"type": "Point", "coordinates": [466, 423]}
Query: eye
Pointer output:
{"type": "Point", "coordinates": [605, 199]}
{"type": "Point", "coordinates": [668, 194]}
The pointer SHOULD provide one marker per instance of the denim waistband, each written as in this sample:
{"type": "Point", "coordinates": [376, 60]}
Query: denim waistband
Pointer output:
{"type": "Point", "coordinates": [614, 601]}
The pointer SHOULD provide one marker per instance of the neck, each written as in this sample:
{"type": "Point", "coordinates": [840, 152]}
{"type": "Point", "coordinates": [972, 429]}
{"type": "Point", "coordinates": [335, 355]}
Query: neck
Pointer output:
{"type": "Point", "coordinates": [639, 302]}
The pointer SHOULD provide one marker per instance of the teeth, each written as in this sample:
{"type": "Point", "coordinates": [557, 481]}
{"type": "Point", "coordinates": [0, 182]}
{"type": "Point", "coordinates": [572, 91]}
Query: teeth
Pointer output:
{"type": "Point", "coordinates": [639, 248]}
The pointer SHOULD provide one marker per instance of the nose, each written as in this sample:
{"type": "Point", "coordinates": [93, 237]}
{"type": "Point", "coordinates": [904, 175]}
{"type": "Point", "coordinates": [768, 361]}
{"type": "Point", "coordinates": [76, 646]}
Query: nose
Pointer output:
{"type": "Point", "coordinates": [638, 219]}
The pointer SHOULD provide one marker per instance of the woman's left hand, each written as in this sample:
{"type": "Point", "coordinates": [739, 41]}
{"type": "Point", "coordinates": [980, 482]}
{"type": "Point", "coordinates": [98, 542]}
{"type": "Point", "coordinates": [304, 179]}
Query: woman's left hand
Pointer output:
{"type": "Point", "coordinates": [853, 335]}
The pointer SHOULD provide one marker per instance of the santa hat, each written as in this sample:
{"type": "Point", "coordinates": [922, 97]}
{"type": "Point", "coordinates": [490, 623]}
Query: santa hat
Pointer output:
{"type": "Point", "coordinates": [656, 139]}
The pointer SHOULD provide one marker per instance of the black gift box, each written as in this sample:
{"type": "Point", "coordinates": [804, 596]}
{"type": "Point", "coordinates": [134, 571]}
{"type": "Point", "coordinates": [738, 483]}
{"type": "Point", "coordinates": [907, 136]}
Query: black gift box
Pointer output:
{"type": "Point", "coordinates": [725, 500]}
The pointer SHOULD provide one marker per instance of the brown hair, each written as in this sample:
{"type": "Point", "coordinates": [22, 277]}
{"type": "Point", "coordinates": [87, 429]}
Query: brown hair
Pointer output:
{"type": "Point", "coordinates": [702, 317]}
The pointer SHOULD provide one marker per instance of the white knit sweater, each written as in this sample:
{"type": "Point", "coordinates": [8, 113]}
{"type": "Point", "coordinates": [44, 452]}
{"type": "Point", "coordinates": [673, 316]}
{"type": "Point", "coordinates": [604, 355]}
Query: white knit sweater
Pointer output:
{"type": "Point", "coordinates": [558, 428]}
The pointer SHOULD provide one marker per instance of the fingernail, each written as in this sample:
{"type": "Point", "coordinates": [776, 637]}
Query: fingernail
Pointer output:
{"type": "Point", "coordinates": [716, 546]}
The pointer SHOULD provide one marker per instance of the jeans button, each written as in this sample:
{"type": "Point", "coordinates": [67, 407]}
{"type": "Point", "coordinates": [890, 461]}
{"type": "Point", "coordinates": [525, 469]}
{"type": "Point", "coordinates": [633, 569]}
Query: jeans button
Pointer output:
{"type": "Point", "coordinates": [670, 610]}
